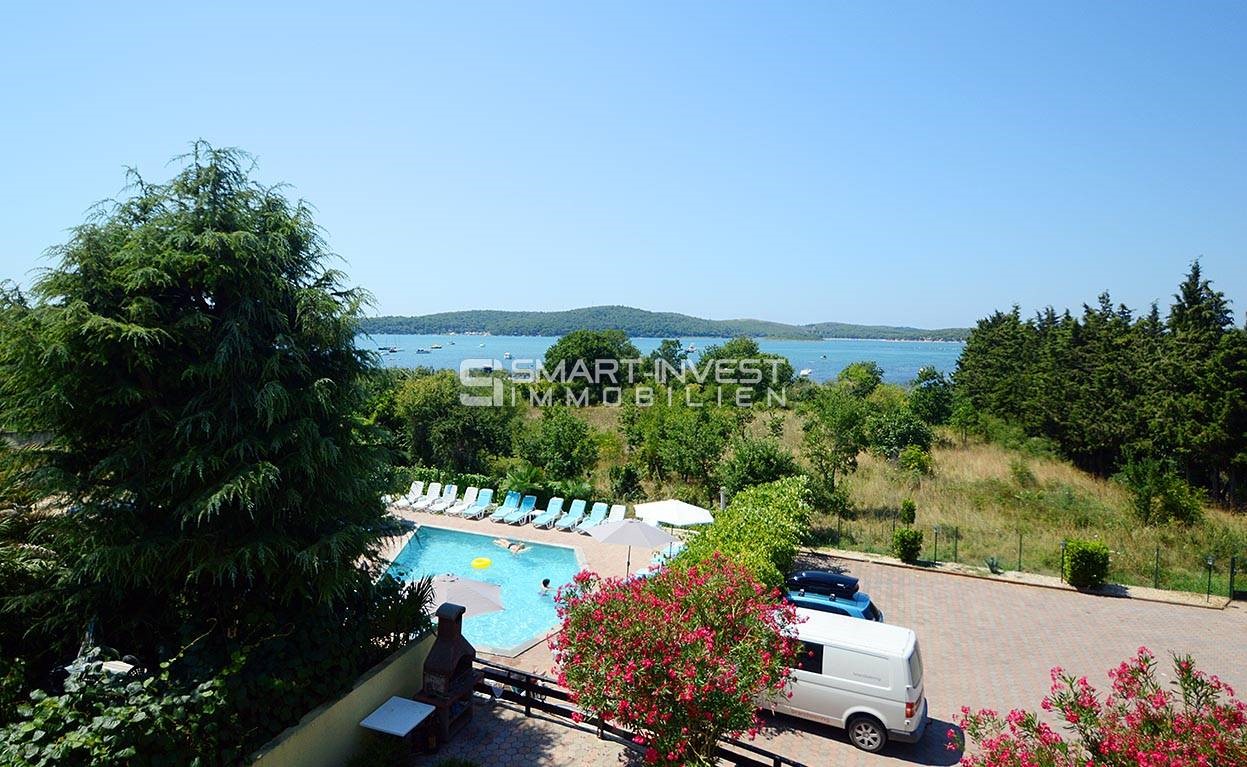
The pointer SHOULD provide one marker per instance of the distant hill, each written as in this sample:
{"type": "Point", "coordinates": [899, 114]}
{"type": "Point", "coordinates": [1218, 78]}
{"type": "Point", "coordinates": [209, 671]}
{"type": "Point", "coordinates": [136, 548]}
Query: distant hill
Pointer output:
{"type": "Point", "coordinates": [638, 323]}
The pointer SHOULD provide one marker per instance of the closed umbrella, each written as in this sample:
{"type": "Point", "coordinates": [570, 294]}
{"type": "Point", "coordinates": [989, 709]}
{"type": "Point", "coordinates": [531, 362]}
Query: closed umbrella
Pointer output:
{"type": "Point", "coordinates": [673, 512]}
{"type": "Point", "coordinates": [631, 532]}
{"type": "Point", "coordinates": [477, 597]}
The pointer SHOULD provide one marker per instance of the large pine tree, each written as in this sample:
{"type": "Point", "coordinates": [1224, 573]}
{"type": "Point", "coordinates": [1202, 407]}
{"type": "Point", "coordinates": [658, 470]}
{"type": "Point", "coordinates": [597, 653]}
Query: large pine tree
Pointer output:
{"type": "Point", "coordinates": [190, 362]}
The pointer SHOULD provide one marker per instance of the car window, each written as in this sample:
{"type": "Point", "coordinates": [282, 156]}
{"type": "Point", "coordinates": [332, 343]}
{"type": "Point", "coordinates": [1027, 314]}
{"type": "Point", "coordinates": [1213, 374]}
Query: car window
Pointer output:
{"type": "Point", "coordinates": [871, 612]}
{"type": "Point", "coordinates": [811, 657]}
{"type": "Point", "coordinates": [915, 667]}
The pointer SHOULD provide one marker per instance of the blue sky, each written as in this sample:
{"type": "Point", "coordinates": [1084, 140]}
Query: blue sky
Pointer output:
{"type": "Point", "coordinates": [901, 163]}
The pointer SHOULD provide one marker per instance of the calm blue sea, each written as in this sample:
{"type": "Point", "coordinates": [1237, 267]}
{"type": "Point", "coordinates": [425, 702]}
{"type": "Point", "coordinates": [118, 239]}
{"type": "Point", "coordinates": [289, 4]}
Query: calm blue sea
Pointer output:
{"type": "Point", "coordinates": [900, 360]}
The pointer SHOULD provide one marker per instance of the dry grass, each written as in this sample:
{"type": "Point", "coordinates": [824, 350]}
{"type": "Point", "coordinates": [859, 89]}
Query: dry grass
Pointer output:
{"type": "Point", "coordinates": [989, 495]}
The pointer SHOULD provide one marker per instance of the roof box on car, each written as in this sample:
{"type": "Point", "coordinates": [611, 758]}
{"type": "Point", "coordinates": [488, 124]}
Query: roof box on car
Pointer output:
{"type": "Point", "coordinates": [822, 582]}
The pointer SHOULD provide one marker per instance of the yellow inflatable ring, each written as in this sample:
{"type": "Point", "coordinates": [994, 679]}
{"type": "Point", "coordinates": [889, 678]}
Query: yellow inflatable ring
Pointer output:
{"type": "Point", "coordinates": [480, 563]}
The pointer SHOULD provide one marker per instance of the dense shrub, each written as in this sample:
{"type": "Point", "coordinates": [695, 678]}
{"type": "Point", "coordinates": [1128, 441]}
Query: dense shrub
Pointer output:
{"type": "Point", "coordinates": [915, 460]}
{"type": "Point", "coordinates": [442, 431]}
{"type": "Point", "coordinates": [1158, 494]}
{"type": "Point", "coordinates": [681, 658]}
{"type": "Point", "coordinates": [1021, 473]}
{"type": "Point", "coordinates": [907, 544]}
{"type": "Point", "coordinates": [755, 462]}
{"type": "Point", "coordinates": [427, 474]}
{"type": "Point", "coordinates": [1138, 723]}
{"type": "Point", "coordinates": [625, 482]}
{"type": "Point", "coordinates": [889, 432]}
{"type": "Point", "coordinates": [909, 512]}
{"type": "Point", "coordinates": [560, 443]}
{"type": "Point", "coordinates": [760, 529]}
{"type": "Point", "coordinates": [1086, 563]}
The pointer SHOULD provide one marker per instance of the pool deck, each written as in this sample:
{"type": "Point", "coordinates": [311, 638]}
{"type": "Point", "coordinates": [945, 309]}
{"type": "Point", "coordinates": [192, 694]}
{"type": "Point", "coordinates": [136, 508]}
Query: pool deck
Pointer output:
{"type": "Point", "coordinates": [604, 558]}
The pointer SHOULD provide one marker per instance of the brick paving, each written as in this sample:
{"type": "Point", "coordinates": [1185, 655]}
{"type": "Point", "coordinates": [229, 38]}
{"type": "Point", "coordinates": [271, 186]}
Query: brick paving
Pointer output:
{"type": "Point", "coordinates": [985, 643]}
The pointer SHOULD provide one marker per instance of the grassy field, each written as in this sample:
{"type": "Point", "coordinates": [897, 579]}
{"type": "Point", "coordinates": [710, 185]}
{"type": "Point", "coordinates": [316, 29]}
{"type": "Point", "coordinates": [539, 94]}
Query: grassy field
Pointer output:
{"type": "Point", "coordinates": [988, 496]}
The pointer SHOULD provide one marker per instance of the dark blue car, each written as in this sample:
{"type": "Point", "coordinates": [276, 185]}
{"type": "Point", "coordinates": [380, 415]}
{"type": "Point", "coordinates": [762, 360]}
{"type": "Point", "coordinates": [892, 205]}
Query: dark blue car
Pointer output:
{"type": "Point", "coordinates": [830, 592]}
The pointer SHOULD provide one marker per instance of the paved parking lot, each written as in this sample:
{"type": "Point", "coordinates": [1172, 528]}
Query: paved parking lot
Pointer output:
{"type": "Point", "coordinates": [985, 643]}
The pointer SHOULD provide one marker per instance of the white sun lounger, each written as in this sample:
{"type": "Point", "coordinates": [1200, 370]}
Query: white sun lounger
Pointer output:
{"type": "Point", "coordinates": [449, 496]}
{"type": "Point", "coordinates": [434, 492]}
{"type": "Point", "coordinates": [469, 498]}
{"type": "Point", "coordinates": [618, 512]}
{"type": "Point", "coordinates": [414, 492]}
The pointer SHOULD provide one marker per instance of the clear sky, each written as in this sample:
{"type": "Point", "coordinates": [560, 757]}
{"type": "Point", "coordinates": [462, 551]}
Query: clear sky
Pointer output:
{"type": "Point", "coordinates": [900, 163]}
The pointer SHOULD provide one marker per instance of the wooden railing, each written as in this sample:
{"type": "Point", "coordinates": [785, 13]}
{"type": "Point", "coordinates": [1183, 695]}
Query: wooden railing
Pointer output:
{"type": "Point", "coordinates": [541, 693]}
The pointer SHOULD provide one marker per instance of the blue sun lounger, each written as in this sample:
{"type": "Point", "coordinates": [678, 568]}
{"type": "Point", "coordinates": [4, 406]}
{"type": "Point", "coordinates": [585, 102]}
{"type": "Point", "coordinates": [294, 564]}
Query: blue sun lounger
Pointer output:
{"type": "Point", "coordinates": [597, 515]}
{"type": "Point", "coordinates": [574, 515]}
{"type": "Point", "coordinates": [528, 507]}
{"type": "Point", "coordinates": [511, 503]}
{"type": "Point", "coordinates": [547, 518]}
{"type": "Point", "coordinates": [483, 502]}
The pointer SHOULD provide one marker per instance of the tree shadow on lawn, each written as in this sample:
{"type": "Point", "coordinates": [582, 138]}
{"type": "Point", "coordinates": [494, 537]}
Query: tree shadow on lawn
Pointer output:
{"type": "Point", "coordinates": [932, 749]}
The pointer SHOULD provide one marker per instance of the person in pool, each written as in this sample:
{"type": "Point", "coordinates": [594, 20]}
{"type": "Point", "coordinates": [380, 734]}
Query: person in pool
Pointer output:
{"type": "Point", "coordinates": [545, 585]}
{"type": "Point", "coordinates": [515, 547]}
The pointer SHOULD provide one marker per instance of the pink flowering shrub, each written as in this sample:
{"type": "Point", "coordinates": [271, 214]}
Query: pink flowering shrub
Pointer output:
{"type": "Point", "coordinates": [1196, 721]}
{"type": "Point", "coordinates": [681, 658]}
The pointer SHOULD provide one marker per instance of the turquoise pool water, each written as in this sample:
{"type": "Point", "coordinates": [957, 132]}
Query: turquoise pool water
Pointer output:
{"type": "Point", "coordinates": [528, 615]}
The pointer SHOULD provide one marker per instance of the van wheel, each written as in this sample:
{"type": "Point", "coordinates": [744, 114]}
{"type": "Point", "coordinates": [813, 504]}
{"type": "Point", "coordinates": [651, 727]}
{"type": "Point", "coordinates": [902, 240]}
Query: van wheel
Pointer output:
{"type": "Point", "coordinates": [866, 733]}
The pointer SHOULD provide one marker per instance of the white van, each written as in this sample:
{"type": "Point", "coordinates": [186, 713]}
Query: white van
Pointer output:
{"type": "Point", "coordinates": [860, 675]}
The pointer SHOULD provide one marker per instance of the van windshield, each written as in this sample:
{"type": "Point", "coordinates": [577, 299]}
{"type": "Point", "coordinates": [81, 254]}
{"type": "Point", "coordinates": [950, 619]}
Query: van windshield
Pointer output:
{"type": "Point", "coordinates": [915, 668]}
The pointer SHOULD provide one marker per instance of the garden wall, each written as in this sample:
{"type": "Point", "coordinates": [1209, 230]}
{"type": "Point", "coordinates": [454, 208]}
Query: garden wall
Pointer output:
{"type": "Point", "coordinates": [330, 734]}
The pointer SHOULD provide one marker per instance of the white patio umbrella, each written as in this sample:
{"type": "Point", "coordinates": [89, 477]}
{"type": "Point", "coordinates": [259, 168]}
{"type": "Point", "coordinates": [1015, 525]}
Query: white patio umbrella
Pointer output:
{"type": "Point", "coordinates": [477, 597]}
{"type": "Point", "coordinates": [673, 512]}
{"type": "Point", "coordinates": [631, 532]}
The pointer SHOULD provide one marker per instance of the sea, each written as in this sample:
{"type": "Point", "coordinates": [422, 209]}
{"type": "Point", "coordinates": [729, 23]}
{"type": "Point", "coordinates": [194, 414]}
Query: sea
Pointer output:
{"type": "Point", "coordinates": [900, 360]}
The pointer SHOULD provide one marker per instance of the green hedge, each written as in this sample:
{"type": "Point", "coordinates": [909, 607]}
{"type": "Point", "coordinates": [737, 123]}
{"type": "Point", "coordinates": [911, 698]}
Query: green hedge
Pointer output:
{"type": "Point", "coordinates": [1086, 563]}
{"type": "Point", "coordinates": [405, 475]}
{"type": "Point", "coordinates": [907, 544]}
{"type": "Point", "coordinates": [760, 529]}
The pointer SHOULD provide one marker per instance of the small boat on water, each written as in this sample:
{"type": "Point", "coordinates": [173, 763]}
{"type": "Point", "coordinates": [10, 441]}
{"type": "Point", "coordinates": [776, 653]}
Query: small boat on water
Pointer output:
{"type": "Point", "coordinates": [506, 355]}
{"type": "Point", "coordinates": [423, 351]}
{"type": "Point", "coordinates": [481, 345]}
{"type": "Point", "coordinates": [435, 346]}
{"type": "Point", "coordinates": [690, 348]}
{"type": "Point", "coordinates": [805, 372]}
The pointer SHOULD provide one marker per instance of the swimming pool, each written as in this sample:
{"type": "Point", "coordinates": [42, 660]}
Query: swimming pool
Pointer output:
{"type": "Point", "coordinates": [527, 615]}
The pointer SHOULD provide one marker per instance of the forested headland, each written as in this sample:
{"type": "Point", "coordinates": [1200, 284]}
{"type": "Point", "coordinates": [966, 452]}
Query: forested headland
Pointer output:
{"type": "Point", "coordinates": [640, 323]}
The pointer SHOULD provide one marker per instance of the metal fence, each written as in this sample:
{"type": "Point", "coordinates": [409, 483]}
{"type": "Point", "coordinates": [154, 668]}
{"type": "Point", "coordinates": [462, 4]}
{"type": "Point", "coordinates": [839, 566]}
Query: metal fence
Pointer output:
{"type": "Point", "coordinates": [1044, 553]}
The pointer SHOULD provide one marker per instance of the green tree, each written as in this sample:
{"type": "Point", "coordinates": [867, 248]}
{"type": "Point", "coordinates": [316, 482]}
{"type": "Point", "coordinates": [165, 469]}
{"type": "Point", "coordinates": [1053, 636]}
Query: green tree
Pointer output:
{"type": "Point", "coordinates": [834, 426]}
{"type": "Point", "coordinates": [752, 461]}
{"type": "Point", "coordinates": [444, 432]}
{"type": "Point", "coordinates": [740, 363]}
{"type": "Point", "coordinates": [587, 362]}
{"type": "Point", "coordinates": [931, 398]}
{"type": "Point", "coordinates": [691, 440]}
{"type": "Point", "coordinates": [560, 443]}
{"type": "Point", "coordinates": [861, 378]}
{"type": "Point", "coordinates": [625, 482]}
{"type": "Point", "coordinates": [890, 432]}
{"type": "Point", "coordinates": [193, 366]}
{"type": "Point", "coordinates": [671, 353]}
